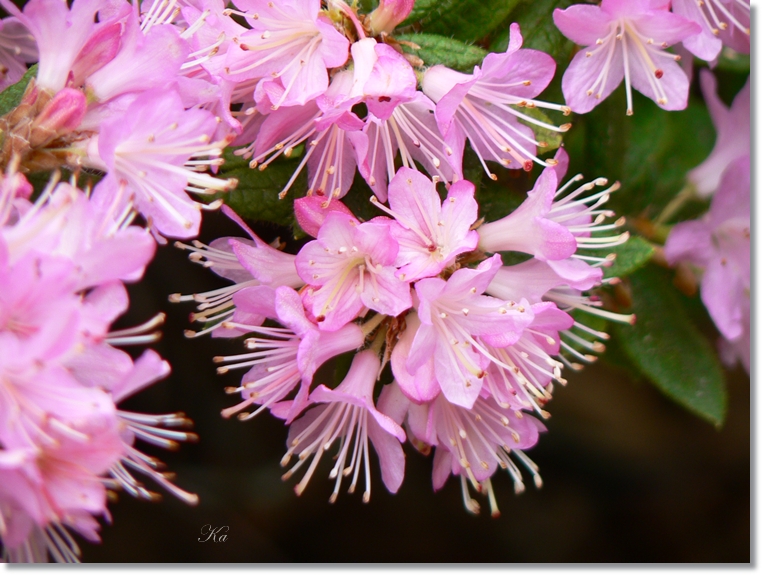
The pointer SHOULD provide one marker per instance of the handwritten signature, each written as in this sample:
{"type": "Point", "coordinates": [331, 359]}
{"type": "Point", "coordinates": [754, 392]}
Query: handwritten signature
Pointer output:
{"type": "Point", "coordinates": [215, 534]}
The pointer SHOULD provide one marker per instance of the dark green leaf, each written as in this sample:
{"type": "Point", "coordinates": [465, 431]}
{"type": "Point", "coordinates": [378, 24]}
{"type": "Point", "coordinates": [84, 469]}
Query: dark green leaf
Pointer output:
{"type": "Point", "coordinates": [11, 96]}
{"type": "Point", "coordinates": [467, 20]}
{"type": "Point", "coordinates": [442, 50]}
{"type": "Point", "coordinates": [734, 62]}
{"type": "Point", "coordinates": [535, 19]}
{"type": "Point", "coordinates": [650, 152]}
{"type": "Point", "coordinates": [630, 257]}
{"type": "Point", "coordinates": [256, 196]}
{"type": "Point", "coordinates": [668, 349]}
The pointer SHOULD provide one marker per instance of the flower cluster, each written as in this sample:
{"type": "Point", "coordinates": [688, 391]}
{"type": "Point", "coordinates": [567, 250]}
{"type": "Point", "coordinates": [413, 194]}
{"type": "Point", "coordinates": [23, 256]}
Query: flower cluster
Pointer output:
{"type": "Point", "coordinates": [455, 325]}
{"type": "Point", "coordinates": [626, 39]}
{"type": "Point", "coordinates": [122, 92]}
{"type": "Point", "coordinates": [115, 94]}
{"type": "Point", "coordinates": [474, 346]}
{"type": "Point", "coordinates": [63, 441]}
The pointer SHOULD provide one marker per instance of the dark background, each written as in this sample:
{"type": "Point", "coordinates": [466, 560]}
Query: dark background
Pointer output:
{"type": "Point", "coordinates": [629, 476]}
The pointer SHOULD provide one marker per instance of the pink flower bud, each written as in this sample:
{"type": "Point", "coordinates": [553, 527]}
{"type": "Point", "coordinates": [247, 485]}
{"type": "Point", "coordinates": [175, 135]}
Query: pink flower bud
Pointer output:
{"type": "Point", "coordinates": [388, 14]}
{"type": "Point", "coordinates": [311, 212]}
{"type": "Point", "coordinates": [62, 114]}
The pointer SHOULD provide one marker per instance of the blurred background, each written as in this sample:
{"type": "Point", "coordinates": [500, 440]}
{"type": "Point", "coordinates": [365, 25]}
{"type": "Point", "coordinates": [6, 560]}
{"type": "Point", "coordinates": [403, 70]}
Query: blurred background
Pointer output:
{"type": "Point", "coordinates": [628, 475]}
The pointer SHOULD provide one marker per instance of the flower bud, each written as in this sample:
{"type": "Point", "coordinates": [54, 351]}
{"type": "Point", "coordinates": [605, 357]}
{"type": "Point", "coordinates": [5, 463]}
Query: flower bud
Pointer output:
{"type": "Point", "coordinates": [311, 212]}
{"type": "Point", "coordinates": [389, 13]}
{"type": "Point", "coordinates": [62, 114]}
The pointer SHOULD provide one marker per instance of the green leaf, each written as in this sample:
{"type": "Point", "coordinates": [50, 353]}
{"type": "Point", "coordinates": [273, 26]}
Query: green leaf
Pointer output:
{"type": "Point", "coordinates": [668, 349]}
{"type": "Point", "coordinates": [466, 20]}
{"type": "Point", "coordinates": [535, 18]}
{"type": "Point", "coordinates": [732, 61]}
{"type": "Point", "coordinates": [650, 152]}
{"type": "Point", "coordinates": [630, 257]}
{"type": "Point", "coordinates": [256, 196]}
{"type": "Point", "coordinates": [11, 96]}
{"type": "Point", "coordinates": [436, 49]}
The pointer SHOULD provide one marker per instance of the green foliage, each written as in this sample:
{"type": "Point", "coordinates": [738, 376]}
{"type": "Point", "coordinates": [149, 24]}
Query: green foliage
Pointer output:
{"type": "Point", "coordinates": [630, 257]}
{"type": "Point", "coordinates": [667, 348]}
{"type": "Point", "coordinates": [256, 196]}
{"type": "Point", "coordinates": [466, 20]}
{"type": "Point", "coordinates": [436, 49]}
{"type": "Point", "coordinates": [649, 152]}
{"type": "Point", "coordinates": [11, 96]}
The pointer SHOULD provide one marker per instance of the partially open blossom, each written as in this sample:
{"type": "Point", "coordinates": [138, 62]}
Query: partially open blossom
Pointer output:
{"type": "Point", "coordinates": [624, 39]}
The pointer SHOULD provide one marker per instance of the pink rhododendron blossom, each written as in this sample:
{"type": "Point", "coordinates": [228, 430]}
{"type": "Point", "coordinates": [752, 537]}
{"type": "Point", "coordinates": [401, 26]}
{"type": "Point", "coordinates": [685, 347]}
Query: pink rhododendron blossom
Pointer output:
{"type": "Point", "coordinates": [350, 266]}
{"type": "Point", "coordinates": [17, 48]}
{"type": "Point", "coordinates": [147, 151]}
{"type": "Point", "coordinates": [348, 414]}
{"type": "Point", "coordinates": [289, 42]}
{"type": "Point", "coordinates": [281, 357]}
{"type": "Point", "coordinates": [481, 107]}
{"type": "Point", "coordinates": [721, 22]}
{"type": "Point", "coordinates": [412, 131]}
{"type": "Point", "coordinates": [430, 232]}
{"type": "Point", "coordinates": [720, 245]}
{"type": "Point", "coordinates": [382, 77]}
{"type": "Point", "coordinates": [529, 229]}
{"type": "Point", "coordinates": [733, 127]}
{"type": "Point", "coordinates": [456, 322]}
{"type": "Point", "coordinates": [624, 39]}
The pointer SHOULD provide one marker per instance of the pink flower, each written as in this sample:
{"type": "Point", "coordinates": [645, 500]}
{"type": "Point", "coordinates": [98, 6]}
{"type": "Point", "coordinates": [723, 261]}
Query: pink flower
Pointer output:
{"type": "Point", "coordinates": [625, 39]}
{"type": "Point", "coordinates": [145, 60]}
{"type": "Point", "coordinates": [553, 223]}
{"type": "Point", "coordinates": [720, 244]}
{"type": "Point", "coordinates": [247, 262]}
{"type": "Point", "coordinates": [473, 443]}
{"type": "Point", "coordinates": [147, 150]}
{"type": "Point", "coordinates": [456, 323]}
{"type": "Point", "coordinates": [281, 357]}
{"type": "Point", "coordinates": [430, 233]}
{"type": "Point", "coordinates": [721, 22]}
{"type": "Point", "coordinates": [529, 228]}
{"type": "Point", "coordinates": [17, 48]}
{"type": "Point", "coordinates": [482, 106]}
{"type": "Point", "coordinates": [350, 266]}
{"type": "Point", "coordinates": [733, 127]}
{"type": "Point", "coordinates": [382, 77]}
{"type": "Point", "coordinates": [61, 34]}
{"type": "Point", "coordinates": [290, 43]}
{"type": "Point", "coordinates": [348, 415]}
{"type": "Point", "coordinates": [412, 131]}
{"type": "Point", "coordinates": [324, 127]}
